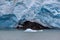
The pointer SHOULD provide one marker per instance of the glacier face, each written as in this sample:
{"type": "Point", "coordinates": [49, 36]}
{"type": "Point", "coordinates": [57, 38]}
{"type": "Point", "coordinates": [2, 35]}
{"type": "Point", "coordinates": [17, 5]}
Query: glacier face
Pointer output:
{"type": "Point", "coordinates": [44, 12]}
{"type": "Point", "coordinates": [52, 14]}
{"type": "Point", "coordinates": [8, 21]}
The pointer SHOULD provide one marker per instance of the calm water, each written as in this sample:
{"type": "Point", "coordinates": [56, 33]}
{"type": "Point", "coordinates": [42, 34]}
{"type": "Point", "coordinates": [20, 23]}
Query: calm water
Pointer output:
{"type": "Point", "coordinates": [21, 35]}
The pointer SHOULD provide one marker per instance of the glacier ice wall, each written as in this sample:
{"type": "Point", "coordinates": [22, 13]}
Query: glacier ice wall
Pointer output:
{"type": "Point", "coordinates": [45, 12]}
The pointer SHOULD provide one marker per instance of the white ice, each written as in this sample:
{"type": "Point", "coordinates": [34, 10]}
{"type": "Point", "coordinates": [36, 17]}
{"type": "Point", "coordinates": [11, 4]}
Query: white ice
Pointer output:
{"type": "Point", "coordinates": [30, 30]}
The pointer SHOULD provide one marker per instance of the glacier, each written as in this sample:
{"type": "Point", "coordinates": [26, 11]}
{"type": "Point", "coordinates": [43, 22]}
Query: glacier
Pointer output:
{"type": "Point", "coordinates": [44, 12]}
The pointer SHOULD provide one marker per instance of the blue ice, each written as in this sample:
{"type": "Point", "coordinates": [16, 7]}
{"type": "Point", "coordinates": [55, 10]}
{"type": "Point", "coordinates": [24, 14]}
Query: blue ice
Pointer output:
{"type": "Point", "coordinates": [44, 12]}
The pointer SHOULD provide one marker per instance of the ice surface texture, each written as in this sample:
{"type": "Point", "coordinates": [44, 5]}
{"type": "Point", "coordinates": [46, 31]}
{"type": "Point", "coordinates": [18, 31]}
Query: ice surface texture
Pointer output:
{"type": "Point", "coordinates": [8, 21]}
{"type": "Point", "coordinates": [44, 12]}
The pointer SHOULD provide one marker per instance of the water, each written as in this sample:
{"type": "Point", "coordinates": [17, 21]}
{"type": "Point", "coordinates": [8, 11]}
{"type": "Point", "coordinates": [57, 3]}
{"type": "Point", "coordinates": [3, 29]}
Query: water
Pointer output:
{"type": "Point", "coordinates": [21, 35]}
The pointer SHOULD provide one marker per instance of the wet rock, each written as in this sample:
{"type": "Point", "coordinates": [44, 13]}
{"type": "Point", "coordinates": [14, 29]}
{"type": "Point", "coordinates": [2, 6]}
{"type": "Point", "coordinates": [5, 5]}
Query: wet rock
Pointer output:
{"type": "Point", "coordinates": [32, 25]}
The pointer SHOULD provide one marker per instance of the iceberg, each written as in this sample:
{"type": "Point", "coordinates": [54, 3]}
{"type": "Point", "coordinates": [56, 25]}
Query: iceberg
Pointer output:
{"type": "Point", "coordinates": [30, 30]}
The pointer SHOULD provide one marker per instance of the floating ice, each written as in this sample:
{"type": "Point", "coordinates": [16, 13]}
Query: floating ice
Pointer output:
{"type": "Point", "coordinates": [40, 30]}
{"type": "Point", "coordinates": [30, 30]}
